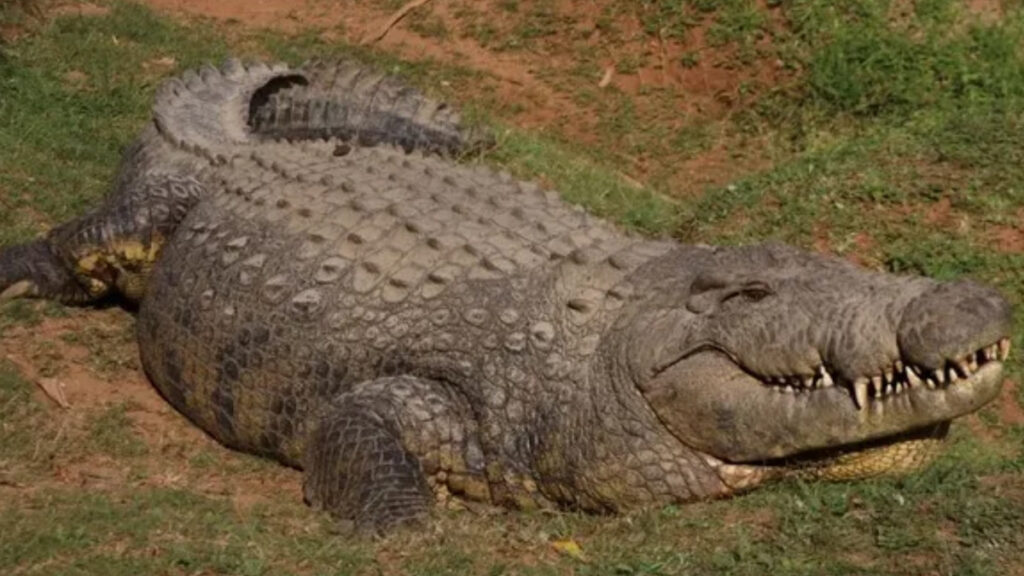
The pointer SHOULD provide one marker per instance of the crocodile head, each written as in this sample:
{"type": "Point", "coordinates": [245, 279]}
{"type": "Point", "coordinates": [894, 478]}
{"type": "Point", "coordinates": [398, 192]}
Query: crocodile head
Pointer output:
{"type": "Point", "coordinates": [773, 357]}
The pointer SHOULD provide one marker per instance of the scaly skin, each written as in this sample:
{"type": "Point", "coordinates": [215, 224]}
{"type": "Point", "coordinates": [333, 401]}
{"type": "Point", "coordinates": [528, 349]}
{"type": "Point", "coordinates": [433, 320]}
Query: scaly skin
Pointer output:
{"type": "Point", "coordinates": [404, 327]}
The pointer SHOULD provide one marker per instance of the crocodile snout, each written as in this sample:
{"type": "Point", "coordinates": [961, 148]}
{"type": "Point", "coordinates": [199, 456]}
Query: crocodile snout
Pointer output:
{"type": "Point", "coordinates": [951, 321]}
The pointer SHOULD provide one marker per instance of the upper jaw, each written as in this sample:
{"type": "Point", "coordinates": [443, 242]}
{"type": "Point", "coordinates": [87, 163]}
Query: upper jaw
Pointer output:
{"type": "Point", "coordinates": [898, 379]}
{"type": "Point", "coordinates": [712, 404]}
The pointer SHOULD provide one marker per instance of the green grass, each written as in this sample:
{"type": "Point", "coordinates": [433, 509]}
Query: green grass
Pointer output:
{"type": "Point", "coordinates": [46, 179]}
{"type": "Point", "coordinates": [884, 122]}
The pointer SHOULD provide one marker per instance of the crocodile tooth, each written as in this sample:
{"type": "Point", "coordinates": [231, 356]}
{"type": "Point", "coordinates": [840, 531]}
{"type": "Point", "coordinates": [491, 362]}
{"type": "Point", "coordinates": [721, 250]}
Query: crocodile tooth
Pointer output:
{"type": "Point", "coordinates": [878, 390]}
{"type": "Point", "coordinates": [807, 382]}
{"type": "Point", "coordinates": [1004, 349]}
{"type": "Point", "coordinates": [860, 392]}
{"type": "Point", "coordinates": [963, 369]}
{"type": "Point", "coordinates": [972, 362]}
{"type": "Point", "coordinates": [889, 377]}
{"type": "Point", "coordinates": [826, 378]}
{"type": "Point", "coordinates": [898, 365]}
{"type": "Point", "coordinates": [913, 378]}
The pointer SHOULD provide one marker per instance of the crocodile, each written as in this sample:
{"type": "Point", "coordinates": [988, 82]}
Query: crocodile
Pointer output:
{"type": "Point", "coordinates": [323, 278]}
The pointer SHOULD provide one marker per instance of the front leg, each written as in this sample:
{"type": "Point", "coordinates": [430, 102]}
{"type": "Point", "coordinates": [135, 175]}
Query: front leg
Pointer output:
{"type": "Point", "coordinates": [376, 450]}
{"type": "Point", "coordinates": [358, 470]}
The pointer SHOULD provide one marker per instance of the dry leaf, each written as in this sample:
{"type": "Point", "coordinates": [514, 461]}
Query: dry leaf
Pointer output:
{"type": "Point", "coordinates": [55, 390]}
{"type": "Point", "coordinates": [165, 62]}
{"type": "Point", "coordinates": [607, 78]}
{"type": "Point", "coordinates": [570, 548]}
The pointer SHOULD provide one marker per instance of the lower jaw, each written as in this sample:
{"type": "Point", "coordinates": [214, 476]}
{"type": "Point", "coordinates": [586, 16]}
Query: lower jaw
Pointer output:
{"type": "Point", "coordinates": [889, 457]}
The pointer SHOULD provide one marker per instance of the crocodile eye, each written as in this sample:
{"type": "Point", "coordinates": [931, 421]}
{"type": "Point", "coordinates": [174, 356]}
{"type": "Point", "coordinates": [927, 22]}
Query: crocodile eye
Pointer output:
{"type": "Point", "coordinates": [755, 294]}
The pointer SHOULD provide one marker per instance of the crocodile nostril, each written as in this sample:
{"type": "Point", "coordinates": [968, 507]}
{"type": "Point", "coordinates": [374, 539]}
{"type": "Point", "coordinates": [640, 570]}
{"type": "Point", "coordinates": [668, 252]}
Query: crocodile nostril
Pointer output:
{"type": "Point", "coordinates": [953, 320]}
{"type": "Point", "coordinates": [702, 303]}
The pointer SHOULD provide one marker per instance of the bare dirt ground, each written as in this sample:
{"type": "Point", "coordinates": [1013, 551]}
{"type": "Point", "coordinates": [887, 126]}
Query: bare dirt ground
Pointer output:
{"type": "Point", "coordinates": [103, 375]}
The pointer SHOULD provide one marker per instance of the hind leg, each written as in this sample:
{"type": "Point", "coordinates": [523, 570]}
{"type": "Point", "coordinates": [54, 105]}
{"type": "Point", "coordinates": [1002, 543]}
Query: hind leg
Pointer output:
{"type": "Point", "coordinates": [112, 249]}
{"type": "Point", "coordinates": [33, 271]}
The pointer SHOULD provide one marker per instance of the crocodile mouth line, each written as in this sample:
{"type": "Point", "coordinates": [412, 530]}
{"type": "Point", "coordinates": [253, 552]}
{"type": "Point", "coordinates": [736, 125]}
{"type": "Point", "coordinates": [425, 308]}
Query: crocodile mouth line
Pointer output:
{"type": "Point", "coordinates": [898, 379]}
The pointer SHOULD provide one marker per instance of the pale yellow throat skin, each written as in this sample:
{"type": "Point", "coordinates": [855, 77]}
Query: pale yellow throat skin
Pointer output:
{"type": "Point", "coordinates": [898, 458]}
{"type": "Point", "coordinates": [895, 459]}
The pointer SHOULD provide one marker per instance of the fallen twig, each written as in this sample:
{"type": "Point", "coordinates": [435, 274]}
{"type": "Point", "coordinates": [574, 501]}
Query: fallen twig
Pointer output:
{"type": "Point", "coordinates": [396, 17]}
{"type": "Point", "coordinates": [664, 58]}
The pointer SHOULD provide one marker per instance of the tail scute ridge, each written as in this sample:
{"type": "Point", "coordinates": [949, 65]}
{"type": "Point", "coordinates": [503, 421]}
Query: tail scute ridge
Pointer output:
{"type": "Point", "coordinates": [206, 110]}
{"type": "Point", "coordinates": [349, 101]}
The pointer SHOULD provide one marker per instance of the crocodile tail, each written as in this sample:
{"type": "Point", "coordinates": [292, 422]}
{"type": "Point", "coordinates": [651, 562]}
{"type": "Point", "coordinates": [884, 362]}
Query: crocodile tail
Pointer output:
{"type": "Point", "coordinates": [204, 111]}
{"type": "Point", "coordinates": [349, 101]}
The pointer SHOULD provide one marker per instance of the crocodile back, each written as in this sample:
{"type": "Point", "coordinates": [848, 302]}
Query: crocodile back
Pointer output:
{"type": "Point", "coordinates": [315, 265]}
